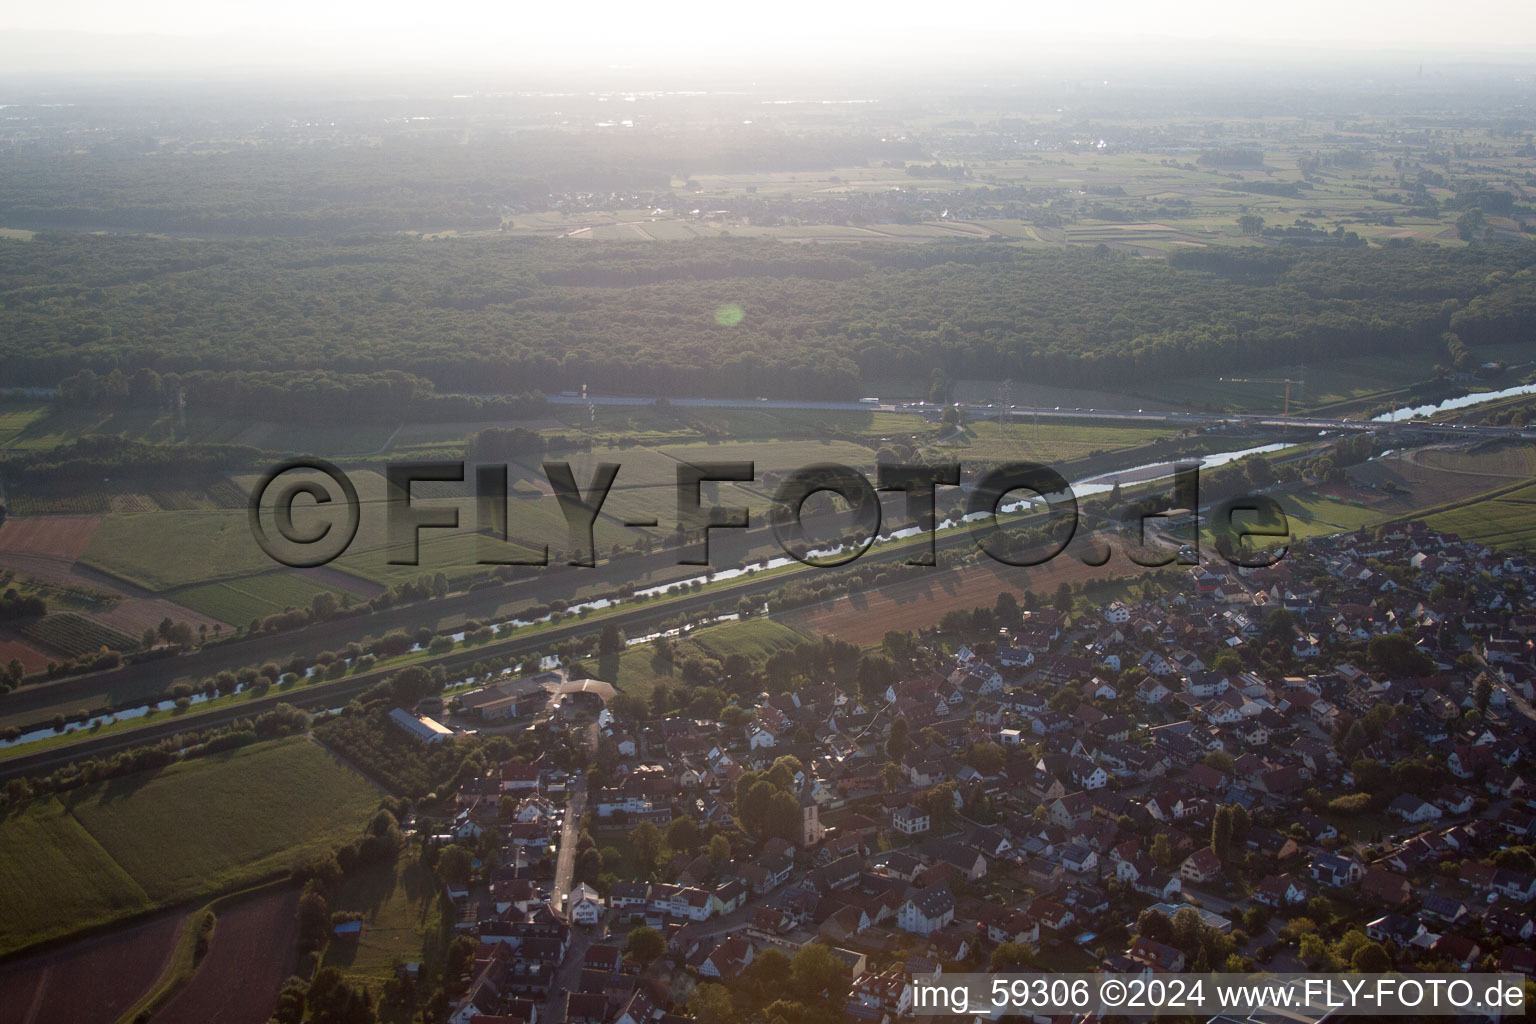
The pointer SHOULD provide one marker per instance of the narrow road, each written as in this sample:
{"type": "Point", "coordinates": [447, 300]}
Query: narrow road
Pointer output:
{"type": "Point", "coordinates": [570, 830]}
{"type": "Point", "coordinates": [569, 972]}
{"type": "Point", "coordinates": [565, 866]}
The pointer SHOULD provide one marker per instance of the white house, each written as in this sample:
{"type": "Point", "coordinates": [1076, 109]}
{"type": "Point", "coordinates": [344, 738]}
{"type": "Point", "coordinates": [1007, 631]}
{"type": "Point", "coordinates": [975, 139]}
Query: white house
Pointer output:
{"type": "Point", "coordinates": [1412, 809]}
{"type": "Point", "coordinates": [927, 911]}
{"type": "Point", "coordinates": [1080, 858]}
{"type": "Point", "coordinates": [586, 906]}
{"type": "Point", "coordinates": [909, 820]}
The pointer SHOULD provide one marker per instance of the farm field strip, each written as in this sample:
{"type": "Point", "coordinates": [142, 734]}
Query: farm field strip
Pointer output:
{"type": "Point", "coordinates": [1506, 521]}
{"type": "Point", "coordinates": [403, 916]}
{"type": "Point", "coordinates": [195, 828]}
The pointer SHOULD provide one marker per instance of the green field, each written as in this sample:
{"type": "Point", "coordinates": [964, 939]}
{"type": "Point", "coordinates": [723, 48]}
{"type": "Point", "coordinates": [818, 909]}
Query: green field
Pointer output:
{"type": "Point", "coordinates": [755, 638]}
{"type": "Point", "coordinates": [402, 908]}
{"type": "Point", "coordinates": [166, 550]}
{"type": "Point", "coordinates": [15, 417]}
{"type": "Point", "coordinates": [638, 670]}
{"type": "Point", "coordinates": [199, 827]}
{"type": "Point", "coordinates": [252, 597]}
{"type": "Point", "coordinates": [57, 878]}
{"type": "Point", "coordinates": [160, 838]}
{"type": "Point", "coordinates": [329, 442]}
{"type": "Point", "coordinates": [161, 550]}
{"type": "Point", "coordinates": [1313, 515]}
{"type": "Point", "coordinates": [1507, 521]}
{"type": "Point", "coordinates": [1019, 437]}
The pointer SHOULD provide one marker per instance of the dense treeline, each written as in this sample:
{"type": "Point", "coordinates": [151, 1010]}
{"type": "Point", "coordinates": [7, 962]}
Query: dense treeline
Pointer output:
{"type": "Point", "coordinates": [16, 605]}
{"type": "Point", "coordinates": [426, 181]}
{"type": "Point", "coordinates": [513, 316]}
{"type": "Point", "coordinates": [93, 457]}
{"type": "Point", "coordinates": [376, 745]}
{"type": "Point", "coordinates": [304, 396]}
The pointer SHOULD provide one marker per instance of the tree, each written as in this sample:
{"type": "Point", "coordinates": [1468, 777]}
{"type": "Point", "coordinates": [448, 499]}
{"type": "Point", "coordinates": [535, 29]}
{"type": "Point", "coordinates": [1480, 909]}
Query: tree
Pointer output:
{"type": "Point", "coordinates": [816, 975]}
{"type": "Point", "coordinates": [1154, 925]}
{"type": "Point", "coordinates": [1370, 958]}
{"type": "Point", "coordinates": [314, 916]}
{"type": "Point", "coordinates": [939, 804]}
{"type": "Point", "coordinates": [711, 1004]}
{"type": "Point", "coordinates": [683, 835]}
{"type": "Point", "coordinates": [1242, 823]}
{"type": "Point", "coordinates": [333, 1000]}
{"type": "Point", "coordinates": [1221, 832]}
{"type": "Point", "coordinates": [1371, 776]}
{"type": "Point", "coordinates": [645, 945]}
{"type": "Point", "coordinates": [1353, 740]}
{"type": "Point", "coordinates": [783, 818]}
{"type": "Point", "coordinates": [454, 863]}
{"type": "Point", "coordinates": [875, 673]}
{"type": "Point", "coordinates": [1227, 663]}
{"type": "Point", "coordinates": [1482, 692]}
{"type": "Point", "coordinates": [770, 970]}
{"type": "Point", "coordinates": [1280, 626]}
{"type": "Point", "coordinates": [899, 741]}
{"type": "Point", "coordinates": [938, 387]}
{"type": "Point", "coordinates": [1162, 850]}
{"type": "Point", "coordinates": [1250, 224]}
{"type": "Point", "coordinates": [719, 850]}
{"type": "Point", "coordinates": [987, 758]}
{"type": "Point", "coordinates": [1188, 930]}
{"type": "Point", "coordinates": [1395, 655]}
{"type": "Point", "coordinates": [1469, 226]}
{"type": "Point", "coordinates": [645, 838]}
{"type": "Point", "coordinates": [1012, 956]}
{"type": "Point", "coordinates": [661, 700]}
{"type": "Point", "coordinates": [588, 866]}
{"type": "Point", "coordinates": [323, 605]}
{"type": "Point", "coordinates": [290, 1002]}
{"type": "Point", "coordinates": [1063, 602]}
{"type": "Point", "coordinates": [611, 640]}
{"type": "Point", "coordinates": [411, 684]}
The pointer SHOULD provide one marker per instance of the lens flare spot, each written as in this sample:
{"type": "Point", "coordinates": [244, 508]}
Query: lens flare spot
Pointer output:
{"type": "Point", "coordinates": [729, 315]}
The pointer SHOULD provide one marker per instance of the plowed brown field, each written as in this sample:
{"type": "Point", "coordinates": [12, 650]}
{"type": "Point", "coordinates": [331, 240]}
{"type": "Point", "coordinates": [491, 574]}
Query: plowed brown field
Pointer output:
{"type": "Point", "coordinates": [920, 602]}
{"type": "Point", "coordinates": [251, 956]}
{"type": "Point", "coordinates": [59, 536]}
{"type": "Point", "coordinates": [94, 979]}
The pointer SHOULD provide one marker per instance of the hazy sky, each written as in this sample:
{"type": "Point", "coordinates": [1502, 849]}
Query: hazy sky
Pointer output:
{"type": "Point", "coordinates": [786, 31]}
{"type": "Point", "coordinates": [1468, 23]}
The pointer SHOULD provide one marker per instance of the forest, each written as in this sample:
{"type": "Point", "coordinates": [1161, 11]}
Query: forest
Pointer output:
{"type": "Point", "coordinates": [510, 316]}
{"type": "Point", "coordinates": [430, 181]}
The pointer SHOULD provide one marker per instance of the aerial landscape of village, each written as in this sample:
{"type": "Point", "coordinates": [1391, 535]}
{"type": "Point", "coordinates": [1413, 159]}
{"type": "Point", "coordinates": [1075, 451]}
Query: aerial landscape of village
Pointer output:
{"type": "Point", "coordinates": [612, 540]}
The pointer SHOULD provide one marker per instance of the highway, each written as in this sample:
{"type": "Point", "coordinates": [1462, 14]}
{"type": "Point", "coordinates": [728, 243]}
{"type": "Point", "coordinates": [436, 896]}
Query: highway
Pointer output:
{"type": "Point", "coordinates": [35, 704]}
{"type": "Point", "coordinates": [634, 619]}
{"type": "Point", "coordinates": [1179, 420]}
